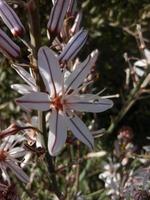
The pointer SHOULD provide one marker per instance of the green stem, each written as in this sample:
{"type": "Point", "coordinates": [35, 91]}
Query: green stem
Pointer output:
{"type": "Point", "coordinates": [94, 194]}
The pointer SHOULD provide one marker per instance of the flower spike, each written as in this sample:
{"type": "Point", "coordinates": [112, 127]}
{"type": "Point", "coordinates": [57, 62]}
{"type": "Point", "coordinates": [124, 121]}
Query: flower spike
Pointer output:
{"type": "Point", "coordinates": [7, 46]}
{"type": "Point", "coordinates": [11, 19]}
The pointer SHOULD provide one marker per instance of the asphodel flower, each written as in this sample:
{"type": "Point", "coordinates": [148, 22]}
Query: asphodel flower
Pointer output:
{"type": "Point", "coordinates": [62, 99]}
{"type": "Point", "coordinates": [11, 19]}
{"type": "Point", "coordinates": [10, 155]}
{"type": "Point", "coordinates": [8, 47]}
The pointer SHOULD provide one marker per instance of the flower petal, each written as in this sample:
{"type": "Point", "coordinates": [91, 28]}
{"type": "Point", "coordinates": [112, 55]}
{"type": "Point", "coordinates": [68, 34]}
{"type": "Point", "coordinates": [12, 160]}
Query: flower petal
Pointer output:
{"type": "Point", "coordinates": [7, 46]}
{"type": "Point", "coordinates": [25, 76]}
{"type": "Point", "coordinates": [57, 132]}
{"type": "Point", "coordinates": [80, 130]}
{"type": "Point", "coordinates": [73, 46]}
{"type": "Point", "coordinates": [22, 88]}
{"type": "Point", "coordinates": [17, 171]}
{"type": "Point", "coordinates": [85, 105]}
{"type": "Point", "coordinates": [80, 73]}
{"type": "Point", "coordinates": [35, 100]}
{"type": "Point", "coordinates": [50, 70]}
{"type": "Point", "coordinates": [11, 19]}
{"type": "Point", "coordinates": [147, 55]}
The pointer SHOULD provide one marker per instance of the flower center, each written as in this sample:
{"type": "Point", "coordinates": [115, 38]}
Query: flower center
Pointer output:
{"type": "Point", "coordinates": [57, 103]}
{"type": "Point", "coordinates": [3, 155]}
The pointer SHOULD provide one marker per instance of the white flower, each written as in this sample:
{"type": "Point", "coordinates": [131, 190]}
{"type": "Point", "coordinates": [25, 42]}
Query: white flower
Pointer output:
{"type": "Point", "coordinates": [10, 154]}
{"type": "Point", "coordinates": [62, 99]}
{"type": "Point", "coordinates": [112, 179]}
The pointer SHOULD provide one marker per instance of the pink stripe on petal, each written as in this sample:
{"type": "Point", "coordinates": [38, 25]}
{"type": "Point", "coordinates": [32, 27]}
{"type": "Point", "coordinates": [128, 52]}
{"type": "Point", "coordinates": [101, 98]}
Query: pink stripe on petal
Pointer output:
{"type": "Point", "coordinates": [80, 130]}
{"type": "Point", "coordinates": [94, 106]}
{"type": "Point", "coordinates": [50, 70]}
{"type": "Point", "coordinates": [35, 100]}
{"type": "Point", "coordinates": [77, 77]}
{"type": "Point", "coordinates": [57, 132]}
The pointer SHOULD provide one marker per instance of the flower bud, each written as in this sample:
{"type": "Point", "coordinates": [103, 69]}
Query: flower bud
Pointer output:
{"type": "Point", "coordinates": [57, 15]}
{"type": "Point", "coordinates": [73, 46]}
{"type": "Point", "coordinates": [71, 8]}
{"type": "Point", "coordinates": [7, 46]}
{"type": "Point", "coordinates": [76, 26]}
{"type": "Point", "coordinates": [10, 18]}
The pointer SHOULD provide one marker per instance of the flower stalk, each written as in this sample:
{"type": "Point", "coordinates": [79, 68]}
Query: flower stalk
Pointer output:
{"type": "Point", "coordinates": [35, 40]}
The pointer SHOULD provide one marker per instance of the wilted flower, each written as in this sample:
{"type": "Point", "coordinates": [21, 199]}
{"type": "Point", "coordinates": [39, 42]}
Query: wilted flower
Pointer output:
{"type": "Point", "coordinates": [141, 195]}
{"type": "Point", "coordinates": [8, 192]}
{"type": "Point", "coordinates": [11, 19]}
{"type": "Point", "coordinates": [26, 76]}
{"type": "Point", "coordinates": [10, 155]}
{"type": "Point", "coordinates": [62, 99]}
{"type": "Point", "coordinates": [11, 130]}
{"type": "Point", "coordinates": [8, 47]}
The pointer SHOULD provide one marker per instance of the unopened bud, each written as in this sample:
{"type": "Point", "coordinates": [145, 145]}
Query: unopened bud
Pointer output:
{"type": "Point", "coordinates": [11, 19]}
{"type": "Point", "coordinates": [73, 46]}
{"type": "Point", "coordinates": [57, 16]}
{"type": "Point", "coordinates": [76, 26]}
{"type": "Point", "coordinates": [7, 46]}
{"type": "Point", "coordinates": [71, 8]}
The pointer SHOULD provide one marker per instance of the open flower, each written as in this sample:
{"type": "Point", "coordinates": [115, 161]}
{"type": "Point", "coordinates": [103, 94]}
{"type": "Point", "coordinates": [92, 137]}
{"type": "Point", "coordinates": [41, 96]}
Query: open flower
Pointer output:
{"type": "Point", "coordinates": [9, 155]}
{"type": "Point", "coordinates": [63, 99]}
